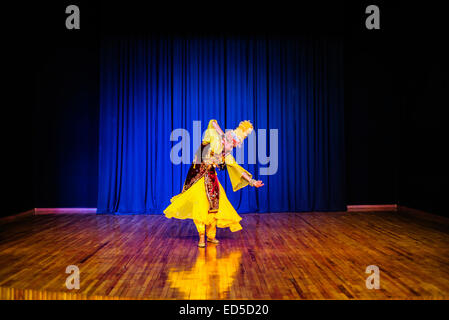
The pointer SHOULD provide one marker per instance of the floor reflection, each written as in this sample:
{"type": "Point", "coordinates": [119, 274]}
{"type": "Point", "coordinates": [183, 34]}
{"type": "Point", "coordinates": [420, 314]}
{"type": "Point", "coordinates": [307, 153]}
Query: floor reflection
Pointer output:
{"type": "Point", "coordinates": [211, 276]}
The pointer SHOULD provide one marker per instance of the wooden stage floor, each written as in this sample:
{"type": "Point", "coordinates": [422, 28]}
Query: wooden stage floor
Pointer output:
{"type": "Point", "coordinates": [275, 256]}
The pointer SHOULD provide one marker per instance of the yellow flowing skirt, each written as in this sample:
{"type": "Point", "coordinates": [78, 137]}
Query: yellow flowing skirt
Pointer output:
{"type": "Point", "coordinates": [193, 204]}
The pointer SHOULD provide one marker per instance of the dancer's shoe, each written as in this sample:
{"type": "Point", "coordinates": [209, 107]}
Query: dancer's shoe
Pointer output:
{"type": "Point", "coordinates": [213, 240]}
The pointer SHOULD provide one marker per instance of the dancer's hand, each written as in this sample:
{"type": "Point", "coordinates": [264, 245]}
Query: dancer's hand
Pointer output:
{"type": "Point", "coordinates": [258, 184]}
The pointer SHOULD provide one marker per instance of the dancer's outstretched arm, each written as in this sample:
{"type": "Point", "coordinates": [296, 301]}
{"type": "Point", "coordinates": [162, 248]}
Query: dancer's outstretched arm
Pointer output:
{"type": "Point", "coordinates": [239, 176]}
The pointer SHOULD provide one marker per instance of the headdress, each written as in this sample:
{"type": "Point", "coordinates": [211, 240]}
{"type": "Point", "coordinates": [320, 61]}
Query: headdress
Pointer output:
{"type": "Point", "coordinates": [241, 132]}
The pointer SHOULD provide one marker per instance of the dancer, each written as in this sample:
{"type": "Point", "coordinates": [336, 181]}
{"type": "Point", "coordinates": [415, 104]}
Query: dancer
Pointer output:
{"type": "Point", "coordinates": [203, 199]}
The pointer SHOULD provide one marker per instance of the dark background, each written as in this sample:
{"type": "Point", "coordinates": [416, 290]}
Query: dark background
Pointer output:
{"type": "Point", "coordinates": [395, 79]}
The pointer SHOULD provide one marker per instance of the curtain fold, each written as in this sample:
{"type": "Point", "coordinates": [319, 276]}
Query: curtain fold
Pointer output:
{"type": "Point", "coordinates": [151, 85]}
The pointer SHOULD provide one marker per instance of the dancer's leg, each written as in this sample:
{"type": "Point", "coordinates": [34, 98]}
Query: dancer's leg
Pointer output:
{"type": "Point", "coordinates": [211, 229]}
{"type": "Point", "coordinates": [200, 227]}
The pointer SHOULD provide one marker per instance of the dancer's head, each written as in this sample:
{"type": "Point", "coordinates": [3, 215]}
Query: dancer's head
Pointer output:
{"type": "Point", "coordinates": [234, 138]}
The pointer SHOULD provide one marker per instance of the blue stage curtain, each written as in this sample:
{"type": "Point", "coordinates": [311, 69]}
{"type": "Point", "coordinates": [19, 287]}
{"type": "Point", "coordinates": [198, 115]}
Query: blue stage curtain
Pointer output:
{"type": "Point", "coordinates": [151, 85]}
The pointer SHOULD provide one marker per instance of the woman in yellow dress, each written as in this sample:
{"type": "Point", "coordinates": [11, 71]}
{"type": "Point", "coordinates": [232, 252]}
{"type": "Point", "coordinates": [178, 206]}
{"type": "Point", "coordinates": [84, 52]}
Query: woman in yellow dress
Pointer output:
{"type": "Point", "coordinates": [203, 199]}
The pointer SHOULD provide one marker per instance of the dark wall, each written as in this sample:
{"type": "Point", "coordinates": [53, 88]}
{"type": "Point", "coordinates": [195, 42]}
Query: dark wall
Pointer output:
{"type": "Point", "coordinates": [371, 125]}
{"type": "Point", "coordinates": [423, 116]}
{"type": "Point", "coordinates": [66, 129]}
{"type": "Point", "coordinates": [66, 111]}
{"type": "Point", "coordinates": [396, 90]}
{"type": "Point", "coordinates": [372, 106]}
{"type": "Point", "coordinates": [16, 123]}
{"type": "Point", "coordinates": [17, 156]}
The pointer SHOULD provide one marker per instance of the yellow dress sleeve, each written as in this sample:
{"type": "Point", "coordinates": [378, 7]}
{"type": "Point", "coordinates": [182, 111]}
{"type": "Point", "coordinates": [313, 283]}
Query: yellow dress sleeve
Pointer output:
{"type": "Point", "coordinates": [235, 173]}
